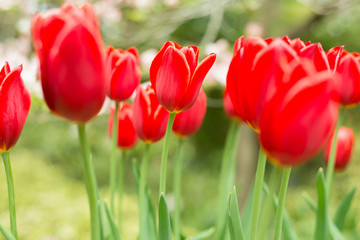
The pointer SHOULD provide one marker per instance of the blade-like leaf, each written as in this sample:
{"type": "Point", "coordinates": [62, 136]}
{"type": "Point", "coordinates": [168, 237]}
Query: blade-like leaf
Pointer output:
{"type": "Point", "coordinates": [309, 201]}
{"type": "Point", "coordinates": [321, 230]}
{"type": "Point", "coordinates": [115, 232]}
{"type": "Point", "coordinates": [105, 224]}
{"type": "Point", "coordinates": [6, 233]}
{"type": "Point", "coordinates": [235, 226]}
{"type": "Point", "coordinates": [164, 220]}
{"type": "Point", "coordinates": [335, 232]}
{"type": "Point", "coordinates": [202, 235]}
{"type": "Point", "coordinates": [343, 209]}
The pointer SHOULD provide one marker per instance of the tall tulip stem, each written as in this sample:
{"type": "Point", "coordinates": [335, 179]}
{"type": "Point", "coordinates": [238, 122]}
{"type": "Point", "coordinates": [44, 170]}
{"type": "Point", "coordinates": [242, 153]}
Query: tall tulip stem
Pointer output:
{"type": "Point", "coordinates": [165, 152]}
{"type": "Point", "coordinates": [120, 185]}
{"type": "Point", "coordinates": [331, 164]}
{"type": "Point", "coordinates": [113, 167]}
{"type": "Point", "coordinates": [227, 176]}
{"type": "Point", "coordinates": [259, 179]}
{"type": "Point", "coordinates": [177, 189]}
{"type": "Point", "coordinates": [142, 193]}
{"type": "Point", "coordinates": [91, 184]}
{"type": "Point", "coordinates": [11, 193]}
{"type": "Point", "coordinates": [281, 204]}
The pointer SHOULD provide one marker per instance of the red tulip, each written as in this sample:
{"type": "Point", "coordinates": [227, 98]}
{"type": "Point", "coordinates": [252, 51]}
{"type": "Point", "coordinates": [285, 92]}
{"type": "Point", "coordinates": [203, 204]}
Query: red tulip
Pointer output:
{"type": "Point", "coordinates": [189, 122]}
{"type": "Point", "coordinates": [299, 119]}
{"type": "Point", "coordinates": [229, 107]}
{"type": "Point", "coordinates": [334, 55]}
{"type": "Point", "coordinates": [317, 55]}
{"type": "Point", "coordinates": [123, 72]}
{"type": "Point", "coordinates": [14, 106]}
{"type": "Point", "coordinates": [344, 147]}
{"type": "Point", "coordinates": [177, 77]}
{"type": "Point", "coordinates": [150, 118]}
{"type": "Point", "coordinates": [72, 64]}
{"type": "Point", "coordinates": [127, 137]}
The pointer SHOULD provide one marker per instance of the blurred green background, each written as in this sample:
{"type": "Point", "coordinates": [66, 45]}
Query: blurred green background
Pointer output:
{"type": "Point", "coordinates": [50, 194]}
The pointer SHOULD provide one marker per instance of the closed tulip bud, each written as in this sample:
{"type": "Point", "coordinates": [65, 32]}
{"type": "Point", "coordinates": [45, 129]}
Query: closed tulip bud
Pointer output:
{"type": "Point", "coordinates": [344, 147]}
{"type": "Point", "coordinates": [123, 72]}
{"type": "Point", "coordinates": [150, 118]}
{"type": "Point", "coordinates": [14, 106]}
{"type": "Point", "coordinates": [189, 122]}
{"type": "Point", "coordinates": [229, 108]}
{"type": "Point", "coordinates": [127, 137]}
{"type": "Point", "coordinates": [297, 122]}
{"type": "Point", "coordinates": [72, 63]}
{"type": "Point", "coordinates": [177, 77]}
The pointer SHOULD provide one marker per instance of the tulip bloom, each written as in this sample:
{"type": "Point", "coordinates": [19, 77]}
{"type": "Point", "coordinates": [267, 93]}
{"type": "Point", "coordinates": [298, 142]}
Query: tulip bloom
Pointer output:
{"type": "Point", "coordinates": [189, 122]}
{"type": "Point", "coordinates": [72, 63]}
{"type": "Point", "coordinates": [229, 107]}
{"type": "Point", "coordinates": [344, 147]}
{"type": "Point", "coordinates": [177, 77]}
{"type": "Point", "coordinates": [299, 119]}
{"type": "Point", "coordinates": [127, 137]}
{"type": "Point", "coordinates": [150, 118]}
{"type": "Point", "coordinates": [14, 106]}
{"type": "Point", "coordinates": [123, 72]}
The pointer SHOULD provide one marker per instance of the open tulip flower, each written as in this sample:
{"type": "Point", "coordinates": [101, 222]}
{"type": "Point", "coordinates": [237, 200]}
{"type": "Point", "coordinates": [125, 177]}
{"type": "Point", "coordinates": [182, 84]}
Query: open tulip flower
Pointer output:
{"type": "Point", "coordinates": [176, 75]}
{"type": "Point", "coordinates": [123, 72]}
{"type": "Point", "coordinates": [189, 122]}
{"type": "Point", "coordinates": [72, 63]}
{"type": "Point", "coordinates": [14, 106]}
{"type": "Point", "coordinates": [150, 117]}
{"type": "Point", "coordinates": [344, 147]}
{"type": "Point", "coordinates": [127, 137]}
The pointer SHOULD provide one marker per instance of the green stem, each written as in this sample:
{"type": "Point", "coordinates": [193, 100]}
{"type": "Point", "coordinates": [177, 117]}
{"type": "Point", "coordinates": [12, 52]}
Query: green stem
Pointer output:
{"type": "Point", "coordinates": [90, 180]}
{"type": "Point", "coordinates": [227, 176]}
{"type": "Point", "coordinates": [113, 164]}
{"type": "Point", "coordinates": [177, 188]}
{"type": "Point", "coordinates": [164, 156]}
{"type": "Point", "coordinates": [331, 163]}
{"type": "Point", "coordinates": [268, 203]}
{"type": "Point", "coordinates": [121, 185]}
{"type": "Point", "coordinates": [11, 193]}
{"type": "Point", "coordinates": [259, 179]}
{"type": "Point", "coordinates": [142, 193]}
{"type": "Point", "coordinates": [281, 204]}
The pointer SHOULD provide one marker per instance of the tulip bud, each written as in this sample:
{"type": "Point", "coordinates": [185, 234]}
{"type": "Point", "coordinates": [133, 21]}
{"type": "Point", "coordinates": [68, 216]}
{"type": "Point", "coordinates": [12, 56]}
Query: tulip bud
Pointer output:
{"type": "Point", "coordinates": [189, 122]}
{"type": "Point", "coordinates": [150, 118]}
{"type": "Point", "coordinates": [72, 64]}
{"type": "Point", "coordinates": [344, 147]}
{"type": "Point", "coordinates": [229, 107]}
{"type": "Point", "coordinates": [14, 106]}
{"type": "Point", "coordinates": [127, 137]}
{"type": "Point", "coordinates": [123, 72]}
{"type": "Point", "coordinates": [177, 77]}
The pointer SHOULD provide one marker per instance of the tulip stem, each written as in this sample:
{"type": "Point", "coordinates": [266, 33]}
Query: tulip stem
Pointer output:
{"type": "Point", "coordinates": [91, 184]}
{"type": "Point", "coordinates": [142, 193]}
{"type": "Point", "coordinates": [121, 185]}
{"type": "Point", "coordinates": [113, 167]}
{"type": "Point", "coordinates": [259, 179]}
{"type": "Point", "coordinates": [331, 163]}
{"type": "Point", "coordinates": [177, 190]}
{"type": "Point", "coordinates": [11, 193]}
{"type": "Point", "coordinates": [281, 203]}
{"type": "Point", "coordinates": [227, 176]}
{"type": "Point", "coordinates": [165, 152]}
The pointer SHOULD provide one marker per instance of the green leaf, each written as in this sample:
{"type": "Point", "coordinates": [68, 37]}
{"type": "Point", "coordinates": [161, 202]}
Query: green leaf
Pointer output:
{"type": "Point", "coordinates": [202, 235]}
{"type": "Point", "coordinates": [321, 230]}
{"type": "Point", "coordinates": [343, 209]}
{"type": "Point", "coordinates": [164, 220]}
{"type": "Point", "coordinates": [235, 226]}
{"type": "Point", "coordinates": [105, 224]}
{"type": "Point", "coordinates": [309, 201]}
{"type": "Point", "coordinates": [335, 232]}
{"type": "Point", "coordinates": [6, 233]}
{"type": "Point", "coordinates": [115, 232]}
{"type": "Point", "coordinates": [246, 213]}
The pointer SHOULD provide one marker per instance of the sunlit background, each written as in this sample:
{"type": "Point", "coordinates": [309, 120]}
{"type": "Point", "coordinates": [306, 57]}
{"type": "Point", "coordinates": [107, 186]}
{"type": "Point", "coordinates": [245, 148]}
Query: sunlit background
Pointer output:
{"type": "Point", "coordinates": [50, 195]}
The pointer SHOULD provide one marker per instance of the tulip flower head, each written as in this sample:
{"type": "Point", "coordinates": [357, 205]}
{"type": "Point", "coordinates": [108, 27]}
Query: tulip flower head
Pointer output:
{"type": "Point", "coordinates": [14, 106]}
{"type": "Point", "coordinates": [127, 137]}
{"type": "Point", "coordinates": [344, 148]}
{"type": "Point", "coordinates": [123, 72]}
{"type": "Point", "coordinates": [177, 77]}
{"type": "Point", "coordinates": [229, 108]}
{"type": "Point", "coordinates": [72, 62]}
{"type": "Point", "coordinates": [189, 122]}
{"type": "Point", "coordinates": [150, 118]}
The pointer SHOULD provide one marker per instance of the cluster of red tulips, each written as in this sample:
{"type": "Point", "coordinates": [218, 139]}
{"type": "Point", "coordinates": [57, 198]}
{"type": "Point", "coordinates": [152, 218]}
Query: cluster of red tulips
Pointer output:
{"type": "Point", "coordinates": [291, 93]}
